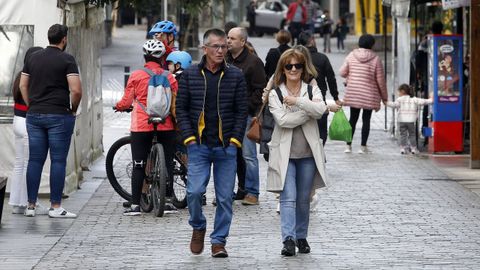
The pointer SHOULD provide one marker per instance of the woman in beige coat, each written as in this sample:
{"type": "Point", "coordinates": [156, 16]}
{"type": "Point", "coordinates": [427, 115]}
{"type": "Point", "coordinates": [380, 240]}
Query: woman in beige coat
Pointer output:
{"type": "Point", "coordinates": [297, 161]}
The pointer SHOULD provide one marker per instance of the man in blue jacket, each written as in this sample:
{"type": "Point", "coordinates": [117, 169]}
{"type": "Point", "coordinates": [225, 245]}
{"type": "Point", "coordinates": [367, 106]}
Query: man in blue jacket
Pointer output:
{"type": "Point", "coordinates": [211, 113]}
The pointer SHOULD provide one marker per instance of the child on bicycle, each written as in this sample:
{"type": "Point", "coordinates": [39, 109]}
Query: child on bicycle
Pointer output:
{"type": "Point", "coordinates": [407, 116]}
{"type": "Point", "coordinates": [141, 131]}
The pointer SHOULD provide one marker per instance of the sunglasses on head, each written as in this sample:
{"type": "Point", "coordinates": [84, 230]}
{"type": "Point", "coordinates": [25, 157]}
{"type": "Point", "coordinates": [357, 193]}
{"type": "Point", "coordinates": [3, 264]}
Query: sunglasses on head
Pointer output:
{"type": "Point", "coordinates": [297, 66]}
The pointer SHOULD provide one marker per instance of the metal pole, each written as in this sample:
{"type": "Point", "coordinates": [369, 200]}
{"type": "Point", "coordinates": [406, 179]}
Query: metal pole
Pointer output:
{"type": "Point", "coordinates": [385, 52]}
{"type": "Point", "coordinates": [165, 9]}
{"type": "Point", "coordinates": [416, 67]}
{"type": "Point", "coordinates": [394, 69]}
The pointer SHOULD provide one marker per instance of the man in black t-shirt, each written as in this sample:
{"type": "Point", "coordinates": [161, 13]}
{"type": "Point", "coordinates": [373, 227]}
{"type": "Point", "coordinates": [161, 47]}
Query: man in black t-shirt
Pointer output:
{"type": "Point", "coordinates": [50, 85]}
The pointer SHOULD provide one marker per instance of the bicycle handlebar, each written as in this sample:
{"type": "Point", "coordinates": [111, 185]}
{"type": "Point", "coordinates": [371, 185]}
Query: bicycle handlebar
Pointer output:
{"type": "Point", "coordinates": [126, 110]}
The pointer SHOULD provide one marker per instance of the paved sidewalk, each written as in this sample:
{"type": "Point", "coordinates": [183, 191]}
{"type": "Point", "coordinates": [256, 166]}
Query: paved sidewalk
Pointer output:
{"type": "Point", "coordinates": [382, 210]}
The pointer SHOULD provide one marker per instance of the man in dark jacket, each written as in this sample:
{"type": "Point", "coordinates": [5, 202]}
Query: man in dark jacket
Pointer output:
{"type": "Point", "coordinates": [211, 111]}
{"type": "Point", "coordinates": [250, 64]}
{"type": "Point", "coordinates": [325, 75]}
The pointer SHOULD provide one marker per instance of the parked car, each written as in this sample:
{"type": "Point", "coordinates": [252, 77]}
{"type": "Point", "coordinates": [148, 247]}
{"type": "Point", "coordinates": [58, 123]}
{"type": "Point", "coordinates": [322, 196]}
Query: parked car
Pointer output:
{"type": "Point", "coordinates": [270, 17]}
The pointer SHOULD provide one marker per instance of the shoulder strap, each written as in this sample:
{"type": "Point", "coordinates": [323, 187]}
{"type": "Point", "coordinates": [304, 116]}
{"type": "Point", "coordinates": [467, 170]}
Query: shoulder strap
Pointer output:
{"type": "Point", "coordinates": [279, 94]}
{"type": "Point", "coordinates": [149, 71]}
{"type": "Point", "coordinates": [310, 91]}
{"type": "Point", "coordinates": [165, 73]}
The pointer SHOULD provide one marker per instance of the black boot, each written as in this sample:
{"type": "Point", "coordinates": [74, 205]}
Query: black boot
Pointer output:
{"type": "Point", "coordinates": [240, 195]}
{"type": "Point", "coordinates": [204, 200]}
{"type": "Point", "coordinates": [303, 246]}
{"type": "Point", "coordinates": [288, 247]}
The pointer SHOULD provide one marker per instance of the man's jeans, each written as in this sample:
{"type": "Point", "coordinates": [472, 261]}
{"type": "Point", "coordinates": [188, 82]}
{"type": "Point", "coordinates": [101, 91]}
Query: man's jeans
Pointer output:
{"type": "Point", "coordinates": [48, 132]}
{"type": "Point", "coordinates": [295, 198]}
{"type": "Point", "coordinates": [200, 159]}
{"type": "Point", "coordinates": [252, 176]}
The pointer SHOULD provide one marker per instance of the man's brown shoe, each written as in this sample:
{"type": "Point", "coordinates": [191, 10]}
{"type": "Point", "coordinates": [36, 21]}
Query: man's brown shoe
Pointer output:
{"type": "Point", "coordinates": [219, 251]}
{"type": "Point", "coordinates": [196, 245]}
{"type": "Point", "coordinates": [250, 200]}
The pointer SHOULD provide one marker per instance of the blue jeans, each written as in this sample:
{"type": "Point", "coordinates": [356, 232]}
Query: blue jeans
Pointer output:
{"type": "Point", "coordinates": [48, 132]}
{"type": "Point", "coordinates": [295, 198]}
{"type": "Point", "coordinates": [200, 160]}
{"type": "Point", "coordinates": [252, 176]}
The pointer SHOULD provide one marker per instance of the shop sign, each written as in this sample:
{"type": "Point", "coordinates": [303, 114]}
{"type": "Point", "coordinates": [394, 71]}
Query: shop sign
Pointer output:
{"type": "Point", "coordinates": [449, 4]}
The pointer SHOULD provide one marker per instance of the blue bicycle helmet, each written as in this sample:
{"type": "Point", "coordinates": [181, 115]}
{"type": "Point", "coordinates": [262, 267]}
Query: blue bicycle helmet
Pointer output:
{"type": "Point", "coordinates": [163, 27]}
{"type": "Point", "coordinates": [180, 57]}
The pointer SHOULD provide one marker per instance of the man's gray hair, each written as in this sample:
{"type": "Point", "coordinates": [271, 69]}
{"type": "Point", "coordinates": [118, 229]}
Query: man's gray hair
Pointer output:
{"type": "Point", "coordinates": [213, 32]}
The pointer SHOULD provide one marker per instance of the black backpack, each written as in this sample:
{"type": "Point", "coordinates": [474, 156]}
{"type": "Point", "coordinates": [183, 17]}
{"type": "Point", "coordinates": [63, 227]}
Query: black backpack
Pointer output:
{"type": "Point", "coordinates": [268, 123]}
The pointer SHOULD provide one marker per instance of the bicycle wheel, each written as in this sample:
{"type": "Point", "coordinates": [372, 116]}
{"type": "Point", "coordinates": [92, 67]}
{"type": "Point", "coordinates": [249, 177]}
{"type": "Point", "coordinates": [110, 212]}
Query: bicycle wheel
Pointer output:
{"type": "Point", "coordinates": [146, 202]}
{"type": "Point", "coordinates": [119, 167]}
{"type": "Point", "coordinates": [158, 176]}
{"type": "Point", "coordinates": [179, 183]}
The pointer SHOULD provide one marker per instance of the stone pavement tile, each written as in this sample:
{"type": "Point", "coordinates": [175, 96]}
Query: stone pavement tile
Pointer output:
{"type": "Point", "coordinates": [378, 213]}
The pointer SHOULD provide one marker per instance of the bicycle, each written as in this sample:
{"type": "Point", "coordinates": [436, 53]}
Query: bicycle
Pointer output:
{"type": "Point", "coordinates": [119, 165]}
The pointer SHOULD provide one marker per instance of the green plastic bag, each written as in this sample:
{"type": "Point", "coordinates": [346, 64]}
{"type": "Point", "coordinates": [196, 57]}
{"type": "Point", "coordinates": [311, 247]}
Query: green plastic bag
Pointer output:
{"type": "Point", "coordinates": [340, 129]}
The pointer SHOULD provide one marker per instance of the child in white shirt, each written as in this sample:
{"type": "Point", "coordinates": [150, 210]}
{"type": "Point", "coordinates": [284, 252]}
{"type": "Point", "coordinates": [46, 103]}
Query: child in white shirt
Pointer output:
{"type": "Point", "coordinates": [407, 116]}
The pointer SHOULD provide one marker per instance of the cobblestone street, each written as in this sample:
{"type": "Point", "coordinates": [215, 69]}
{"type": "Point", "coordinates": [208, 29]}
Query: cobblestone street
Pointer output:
{"type": "Point", "coordinates": [382, 210]}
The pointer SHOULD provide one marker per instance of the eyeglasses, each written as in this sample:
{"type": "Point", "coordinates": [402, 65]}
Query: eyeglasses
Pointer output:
{"type": "Point", "coordinates": [216, 46]}
{"type": "Point", "coordinates": [297, 66]}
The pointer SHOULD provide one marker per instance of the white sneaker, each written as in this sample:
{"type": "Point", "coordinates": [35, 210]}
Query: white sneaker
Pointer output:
{"type": "Point", "coordinates": [133, 210]}
{"type": "Point", "coordinates": [413, 150]}
{"type": "Point", "coordinates": [363, 150]}
{"type": "Point", "coordinates": [403, 150]}
{"type": "Point", "coordinates": [348, 149]}
{"type": "Point", "coordinates": [18, 209]}
{"type": "Point", "coordinates": [41, 210]}
{"type": "Point", "coordinates": [60, 212]}
{"type": "Point", "coordinates": [29, 212]}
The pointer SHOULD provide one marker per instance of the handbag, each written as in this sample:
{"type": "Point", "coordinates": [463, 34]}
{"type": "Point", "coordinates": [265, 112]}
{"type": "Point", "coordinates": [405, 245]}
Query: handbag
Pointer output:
{"type": "Point", "coordinates": [255, 129]}
{"type": "Point", "coordinates": [254, 132]}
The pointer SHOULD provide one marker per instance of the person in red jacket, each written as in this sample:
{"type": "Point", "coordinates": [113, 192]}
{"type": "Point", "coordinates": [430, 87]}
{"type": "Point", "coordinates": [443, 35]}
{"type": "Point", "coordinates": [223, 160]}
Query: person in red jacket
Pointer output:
{"type": "Point", "coordinates": [141, 131]}
{"type": "Point", "coordinates": [296, 18]}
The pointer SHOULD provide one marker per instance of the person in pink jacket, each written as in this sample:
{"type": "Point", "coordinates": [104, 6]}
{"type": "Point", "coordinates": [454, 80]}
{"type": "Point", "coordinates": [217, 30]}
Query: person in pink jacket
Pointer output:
{"type": "Point", "coordinates": [365, 86]}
